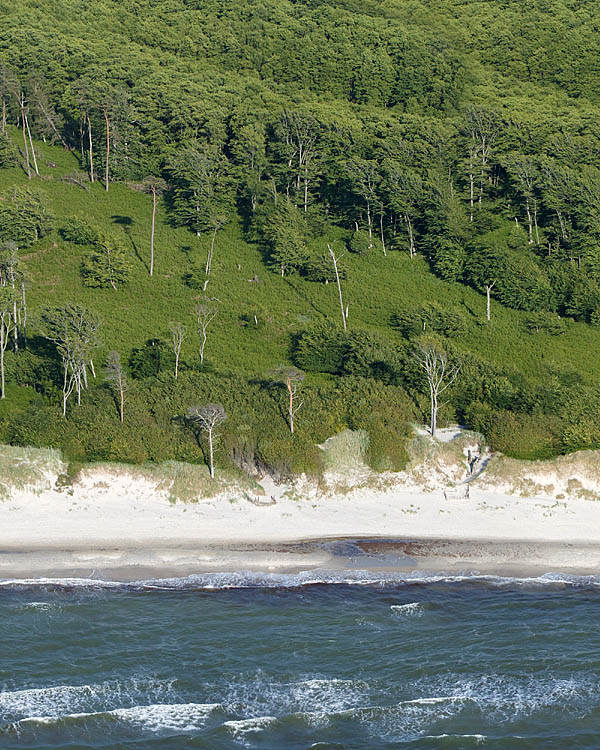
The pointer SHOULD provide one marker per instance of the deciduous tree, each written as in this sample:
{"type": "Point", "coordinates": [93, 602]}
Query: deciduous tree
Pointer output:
{"type": "Point", "coordinates": [208, 418]}
{"type": "Point", "coordinates": [440, 372]}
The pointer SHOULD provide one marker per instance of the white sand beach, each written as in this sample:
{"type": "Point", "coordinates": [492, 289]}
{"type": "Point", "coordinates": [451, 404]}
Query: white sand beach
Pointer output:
{"type": "Point", "coordinates": [112, 519]}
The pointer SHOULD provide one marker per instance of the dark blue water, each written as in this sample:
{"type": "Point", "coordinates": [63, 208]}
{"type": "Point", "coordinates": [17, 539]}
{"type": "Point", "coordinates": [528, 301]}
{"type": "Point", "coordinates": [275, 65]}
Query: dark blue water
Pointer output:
{"type": "Point", "coordinates": [277, 662]}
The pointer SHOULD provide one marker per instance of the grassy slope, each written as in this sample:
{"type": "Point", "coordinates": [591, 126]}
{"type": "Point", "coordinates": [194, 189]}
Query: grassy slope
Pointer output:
{"type": "Point", "coordinates": [376, 286]}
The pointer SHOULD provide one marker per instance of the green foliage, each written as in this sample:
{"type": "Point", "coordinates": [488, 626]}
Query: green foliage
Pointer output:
{"type": "Point", "coordinates": [107, 264]}
{"type": "Point", "coordinates": [9, 155]}
{"type": "Point", "coordinates": [463, 134]}
{"type": "Point", "coordinates": [321, 348]}
{"type": "Point", "coordinates": [360, 243]}
{"type": "Point", "coordinates": [429, 318]}
{"type": "Point", "coordinates": [149, 360]}
{"type": "Point", "coordinates": [528, 436]}
{"type": "Point", "coordinates": [24, 217]}
{"type": "Point", "coordinates": [78, 230]}
{"type": "Point", "coordinates": [545, 323]}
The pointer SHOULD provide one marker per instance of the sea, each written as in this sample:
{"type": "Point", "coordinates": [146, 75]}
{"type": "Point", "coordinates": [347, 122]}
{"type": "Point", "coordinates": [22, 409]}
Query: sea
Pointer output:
{"type": "Point", "coordinates": [353, 659]}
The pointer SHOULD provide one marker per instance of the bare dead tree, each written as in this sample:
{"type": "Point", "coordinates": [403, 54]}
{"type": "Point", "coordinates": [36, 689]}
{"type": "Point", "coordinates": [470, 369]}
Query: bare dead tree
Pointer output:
{"type": "Point", "coordinates": [335, 260]}
{"type": "Point", "coordinates": [49, 122]}
{"type": "Point", "coordinates": [20, 96]}
{"type": "Point", "coordinates": [178, 331]}
{"type": "Point", "coordinates": [301, 133]}
{"type": "Point", "coordinates": [219, 222]}
{"type": "Point", "coordinates": [7, 325]}
{"type": "Point", "coordinates": [206, 312]}
{"type": "Point", "coordinates": [8, 83]}
{"type": "Point", "coordinates": [117, 379]}
{"type": "Point", "coordinates": [292, 379]}
{"type": "Point", "coordinates": [74, 331]}
{"type": "Point", "coordinates": [13, 276]}
{"type": "Point", "coordinates": [440, 373]}
{"type": "Point", "coordinates": [208, 418]}
{"type": "Point", "coordinates": [155, 187]}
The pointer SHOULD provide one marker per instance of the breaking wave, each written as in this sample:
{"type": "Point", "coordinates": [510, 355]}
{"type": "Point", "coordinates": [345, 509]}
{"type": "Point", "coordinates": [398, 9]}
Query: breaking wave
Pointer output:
{"type": "Point", "coordinates": [251, 579]}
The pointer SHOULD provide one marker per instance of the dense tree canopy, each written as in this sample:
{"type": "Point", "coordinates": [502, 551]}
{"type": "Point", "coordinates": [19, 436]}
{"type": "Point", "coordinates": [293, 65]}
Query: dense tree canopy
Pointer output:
{"type": "Point", "coordinates": [460, 135]}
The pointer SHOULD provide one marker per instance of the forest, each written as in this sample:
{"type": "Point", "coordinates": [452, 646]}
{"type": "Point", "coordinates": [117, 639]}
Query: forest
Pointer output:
{"type": "Point", "coordinates": [276, 208]}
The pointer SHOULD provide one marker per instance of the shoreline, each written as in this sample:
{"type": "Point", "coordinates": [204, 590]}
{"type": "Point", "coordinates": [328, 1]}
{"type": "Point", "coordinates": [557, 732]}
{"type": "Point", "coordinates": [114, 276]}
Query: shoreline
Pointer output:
{"type": "Point", "coordinates": [125, 523]}
{"type": "Point", "coordinates": [334, 556]}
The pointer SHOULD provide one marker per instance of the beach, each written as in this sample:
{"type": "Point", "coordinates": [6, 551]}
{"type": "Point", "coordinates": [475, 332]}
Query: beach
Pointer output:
{"type": "Point", "coordinates": [125, 528]}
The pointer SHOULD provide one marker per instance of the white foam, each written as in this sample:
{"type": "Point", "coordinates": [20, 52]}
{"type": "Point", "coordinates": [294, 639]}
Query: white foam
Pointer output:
{"type": "Point", "coordinates": [261, 695]}
{"type": "Point", "coordinates": [183, 717]}
{"type": "Point", "coordinates": [255, 724]}
{"type": "Point", "coordinates": [479, 738]}
{"type": "Point", "coordinates": [433, 701]}
{"type": "Point", "coordinates": [252, 579]}
{"type": "Point", "coordinates": [506, 699]}
{"type": "Point", "coordinates": [159, 717]}
{"type": "Point", "coordinates": [60, 700]}
{"type": "Point", "coordinates": [412, 609]}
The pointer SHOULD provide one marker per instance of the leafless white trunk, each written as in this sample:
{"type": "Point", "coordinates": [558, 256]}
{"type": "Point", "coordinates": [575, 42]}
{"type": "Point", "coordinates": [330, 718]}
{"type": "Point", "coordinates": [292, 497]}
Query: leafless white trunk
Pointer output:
{"type": "Point", "coordinates": [205, 314]}
{"type": "Point", "coordinates": [178, 332]}
{"type": "Point", "coordinates": [152, 232]}
{"type": "Point", "coordinates": [339, 286]}
{"type": "Point", "coordinates": [208, 418]}
{"type": "Point", "coordinates": [440, 373]}
{"type": "Point", "coordinates": [488, 289]}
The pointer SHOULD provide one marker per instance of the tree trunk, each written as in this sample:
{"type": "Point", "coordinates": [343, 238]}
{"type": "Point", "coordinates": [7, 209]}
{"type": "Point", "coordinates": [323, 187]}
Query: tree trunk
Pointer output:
{"type": "Point", "coordinates": [488, 289]}
{"type": "Point", "coordinates": [15, 327]}
{"type": "Point", "coordinates": [24, 309]}
{"type": "Point", "coordinates": [529, 221]}
{"type": "Point", "coordinates": [106, 168]}
{"type": "Point", "coordinates": [2, 339]}
{"type": "Point", "coordinates": [434, 410]}
{"type": "Point", "coordinates": [471, 187]}
{"type": "Point", "coordinates": [202, 344]}
{"type": "Point", "coordinates": [4, 113]}
{"type": "Point", "coordinates": [339, 286]}
{"type": "Point", "coordinates": [26, 147]}
{"type": "Point", "coordinates": [411, 236]}
{"type": "Point", "coordinates": [65, 391]}
{"type": "Point", "coordinates": [382, 235]}
{"type": "Point", "coordinates": [210, 252]}
{"type": "Point", "coordinates": [122, 396]}
{"type": "Point", "coordinates": [90, 147]}
{"type": "Point", "coordinates": [35, 164]}
{"type": "Point", "coordinates": [210, 452]}
{"type": "Point", "coordinates": [176, 364]}
{"type": "Point", "coordinates": [305, 192]}
{"type": "Point", "coordinates": [152, 232]}
{"type": "Point", "coordinates": [291, 404]}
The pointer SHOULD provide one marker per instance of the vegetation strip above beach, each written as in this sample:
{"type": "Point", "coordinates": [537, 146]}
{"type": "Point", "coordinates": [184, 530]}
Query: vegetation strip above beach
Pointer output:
{"type": "Point", "coordinates": [237, 231]}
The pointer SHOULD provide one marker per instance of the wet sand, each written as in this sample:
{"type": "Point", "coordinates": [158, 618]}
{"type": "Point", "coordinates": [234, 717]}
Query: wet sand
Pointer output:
{"type": "Point", "coordinates": [487, 557]}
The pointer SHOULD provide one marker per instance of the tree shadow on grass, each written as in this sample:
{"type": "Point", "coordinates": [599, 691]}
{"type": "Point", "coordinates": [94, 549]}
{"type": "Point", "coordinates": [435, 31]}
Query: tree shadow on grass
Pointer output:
{"type": "Point", "coordinates": [126, 222]}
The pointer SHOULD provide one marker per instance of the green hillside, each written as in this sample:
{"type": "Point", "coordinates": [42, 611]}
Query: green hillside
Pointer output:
{"type": "Point", "coordinates": [462, 134]}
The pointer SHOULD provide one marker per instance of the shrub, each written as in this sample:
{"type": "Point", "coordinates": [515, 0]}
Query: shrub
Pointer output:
{"type": "Point", "coordinates": [320, 268]}
{"type": "Point", "coordinates": [528, 436]}
{"type": "Point", "coordinates": [153, 357]}
{"type": "Point", "coordinates": [360, 243]}
{"type": "Point", "coordinates": [414, 321]}
{"type": "Point", "coordinates": [320, 348]}
{"type": "Point", "coordinates": [369, 355]}
{"type": "Point", "coordinates": [24, 218]}
{"type": "Point", "coordinates": [107, 264]}
{"type": "Point", "coordinates": [78, 230]}
{"type": "Point", "coordinates": [545, 322]}
{"type": "Point", "coordinates": [9, 155]}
